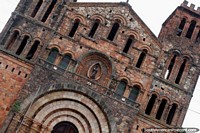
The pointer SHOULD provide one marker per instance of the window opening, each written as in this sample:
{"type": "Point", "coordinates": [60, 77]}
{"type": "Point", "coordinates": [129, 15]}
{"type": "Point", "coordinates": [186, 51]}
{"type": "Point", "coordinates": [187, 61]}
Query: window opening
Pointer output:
{"type": "Point", "coordinates": [113, 31]}
{"type": "Point", "coordinates": [161, 109]}
{"type": "Point", "coordinates": [150, 104]}
{"type": "Point", "coordinates": [171, 114]}
{"type": "Point", "coordinates": [121, 88]}
{"type": "Point", "coordinates": [65, 61]}
{"type": "Point", "coordinates": [36, 8]}
{"type": "Point", "coordinates": [74, 28]}
{"type": "Point", "coordinates": [181, 70]}
{"type": "Point", "coordinates": [181, 26]}
{"type": "Point", "coordinates": [22, 45]}
{"type": "Point", "coordinates": [32, 50]}
{"type": "Point", "coordinates": [48, 12]}
{"type": "Point", "coordinates": [191, 29]}
{"type": "Point", "coordinates": [141, 58]}
{"type": "Point", "coordinates": [52, 55]}
{"type": "Point", "coordinates": [94, 28]}
{"type": "Point", "coordinates": [128, 44]}
{"type": "Point", "coordinates": [12, 39]}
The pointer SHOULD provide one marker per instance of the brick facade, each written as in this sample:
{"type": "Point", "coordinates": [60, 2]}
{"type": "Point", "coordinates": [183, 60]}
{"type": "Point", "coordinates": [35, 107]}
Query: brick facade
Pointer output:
{"type": "Point", "coordinates": [95, 67]}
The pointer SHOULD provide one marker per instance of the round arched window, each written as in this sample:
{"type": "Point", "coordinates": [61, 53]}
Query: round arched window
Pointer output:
{"type": "Point", "coordinates": [65, 127]}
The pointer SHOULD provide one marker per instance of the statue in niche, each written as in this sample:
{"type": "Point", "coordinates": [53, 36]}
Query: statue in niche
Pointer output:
{"type": "Point", "coordinates": [95, 71]}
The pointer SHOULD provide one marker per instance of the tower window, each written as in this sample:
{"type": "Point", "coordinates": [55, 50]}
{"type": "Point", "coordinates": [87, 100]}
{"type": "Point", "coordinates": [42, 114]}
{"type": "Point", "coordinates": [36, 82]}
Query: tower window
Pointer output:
{"type": "Point", "coordinates": [198, 37]}
{"type": "Point", "coordinates": [181, 26]}
{"type": "Point", "coordinates": [181, 70]}
{"type": "Point", "coordinates": [128, 44]}
{"type": "Point", "coordinates": [36, 8]}
{"type": "Point", "coordinates": [48, 12]}
{"type": "Point", "coordinates": [150, 104]}
{"type": "Point", "coordinates": [170, 67]}
{"type": "Point", "coordinates": [191, 29]}
{"type": "Point", "coordinates": [52, 55]}
{"type": "Point", "coordinates": [113, 31]}
{"type": "Point", "coordinates": [12, 39]}
{"type": "Point", "coordinates": [32, 50]}
{"type": "Point", "coordinates": [134, 93]}
{"type": "Point", "coordinates": [121, 88]}
{"type": "Point", "coordinates": [161, 109]}
{"type": "Point", "coordinates": [171, 113]}
{"type": "Point", "coordinates": [94, 28]}
{"type": "Point", "coordinates": [65, 61]}
{"type": "Point", "coordinates": [22, 45]}
{"type": "Point", "coordinates": [141, 58]}
{"type": "Point", "coordinates": [74, 28]}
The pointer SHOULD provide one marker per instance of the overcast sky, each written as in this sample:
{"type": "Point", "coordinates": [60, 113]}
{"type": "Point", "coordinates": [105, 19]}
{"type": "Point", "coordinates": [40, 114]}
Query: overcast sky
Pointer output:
{"type": "Point", "coordinates": [153, 13]}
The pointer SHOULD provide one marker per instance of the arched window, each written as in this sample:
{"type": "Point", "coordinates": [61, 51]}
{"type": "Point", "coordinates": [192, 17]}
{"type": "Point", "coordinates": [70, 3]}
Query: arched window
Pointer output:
{"type": "Point", "coordinates": [198, 37]}
{"type": "Point", "coordinates": [74, 28]}
{"type": "Point", "coordinates": [181, 26]}
{"type": "Point", "coordinates": [12, 39]}
{"type": "Point", "coordinates": [150, 104]}
{"type": "Point", "coordinates": [94, 28]}
{"type": "Point", "coordinates": [141, 58]}
{"type": "Point", "coordinates": [22, 45]}
{"type": "Point", "coordinates": [33, 50]}
{"type": "Point", "coordinates": [113, 31]}
{"type": "Point", "coordinates": [181, 70]}
{"type": "Point", "coordinates": [65, 61]}
{"type": "Point", "coordinates": [171, 113]}
{"type": "Point", "coordinates": [170, 67]}
{"type": "Point", "coordinates": [134, 93]}
{"type": "Point", "coordinates": [48, 11]}
{"type": "Point", "coordinates": [121, 88]}
{"type": "Point", "coordinates": [161, 109]}
{"type": "Point", "coordinates": [65, 127]}
{"type": "Point", "coordinates": [191, 29]}
{"type": "Point", "coordinates": [36, 8]}
{"type": "Point", "coordinates": [52, 55]}
{"type": "Point", "coordinates": [128, 44]}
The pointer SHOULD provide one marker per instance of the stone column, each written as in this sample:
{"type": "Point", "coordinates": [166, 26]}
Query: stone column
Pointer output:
{"type": "Point", "coordinates": [195, 33]}
{"type": "Point", "coordinates": [175, 69]}
{"type": "Point", "coordinates": [43, 9]}
{"type": "Point", "coordinates": [15, 47]}
{"type": "Point", "coordinates": [27, 48]}
{"type": "Point", "coordinates": [37, 52]}
{"type": "Point", "coordinates": [165, 112]}
{"type": "Point", "coordinates": [155, 107]}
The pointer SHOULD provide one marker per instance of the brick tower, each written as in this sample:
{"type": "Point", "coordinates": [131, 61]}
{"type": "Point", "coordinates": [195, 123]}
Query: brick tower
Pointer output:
{"type": "Point", "coordinates": [77, 67]}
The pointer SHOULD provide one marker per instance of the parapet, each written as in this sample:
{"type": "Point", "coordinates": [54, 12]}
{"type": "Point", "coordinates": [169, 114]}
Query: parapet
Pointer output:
{"type": "Point", "coordinates": [191, 7]}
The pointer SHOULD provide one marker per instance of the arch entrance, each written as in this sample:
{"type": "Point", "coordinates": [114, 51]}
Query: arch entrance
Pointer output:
{"type": "Point", "coordinates": [65, 127]}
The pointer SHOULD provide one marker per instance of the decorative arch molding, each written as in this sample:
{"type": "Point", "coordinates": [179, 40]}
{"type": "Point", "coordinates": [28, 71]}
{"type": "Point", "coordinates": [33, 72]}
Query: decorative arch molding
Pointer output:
{"type": "Point", "coordinates": [68, 52]}
{"type": "Point", "coordinates": [139, 85]}
{"type": "Point", "coordinates": [133, 33]}
{"type": "Point", "coordinates": [149, 50]}
{"type": "Point", "coordinates": [55, 46]}
{"type": "Point", "coordinates": [126, 79]}
{"type": "Point", "coordinates": [77, 101]}
{"type": "Point", "coordinates": [80, 17]}
{"type": "Point", "coordinates": [26, 34]}
{"type": "Point", "coordinates": [99, 17]}
{"type": "Point", "coordinates": [121, 18]}
{"type": "Point", "coordinates": [155, 93]}
{"type": "Point", "coordinates": [16, 29]}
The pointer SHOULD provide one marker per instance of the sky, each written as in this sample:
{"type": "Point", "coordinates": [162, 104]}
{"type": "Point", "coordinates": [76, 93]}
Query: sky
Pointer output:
{"type": "Point", "coordinates": [153, 13]}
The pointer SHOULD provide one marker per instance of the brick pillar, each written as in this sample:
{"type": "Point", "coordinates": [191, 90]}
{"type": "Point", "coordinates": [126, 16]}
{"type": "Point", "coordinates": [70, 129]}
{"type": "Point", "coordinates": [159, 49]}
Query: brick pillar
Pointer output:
{"type": "Point", "coordinates": [166, 112]}
{"type": "Point", "coordinates": [27, 48]}
{"type": "Point", "coordinates": [175, 69]}
{"type": "Point", "coordinates": [17, 43]}
{"type": "Point", "coordinates": [37, 52]}
{"type": "Point", "coordinates": [185, 29]}
{"type": "Point", "coordinates": [43, 9]}
{"type": "Point", "coordinates": [185, 73]}
{"type": "Point", "coordinates": [176, 116]}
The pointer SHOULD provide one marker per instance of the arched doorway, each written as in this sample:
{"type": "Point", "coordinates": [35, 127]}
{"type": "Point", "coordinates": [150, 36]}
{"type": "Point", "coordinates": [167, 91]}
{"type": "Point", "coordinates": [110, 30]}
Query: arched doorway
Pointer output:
{"type": "Point", "coordinates": [65, 127]}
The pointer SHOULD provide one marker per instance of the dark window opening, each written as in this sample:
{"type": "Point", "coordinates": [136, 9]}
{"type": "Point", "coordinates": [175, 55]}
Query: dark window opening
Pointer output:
{"type": "Point", "coordinates": [181, 70]}
{"type": "Point", "coordinates": [19, 72]}
{"type": "Point", "coordinates": [121, 88]}
{"type": "Point", "coordinates": [171, 114]}
{"type": "Point", "coordinates": [52, 55]}
{"type": "Point", "coordinates": [32, 50]}
{"type": "Point", "coordinates": [113, 31]}
{"type": "Point", "coordinates": [134, 93]}
{"type": "Point", "coordinates": [128, 44]}
{"type": "Point", "coordinates": [181, 26]}
{"type": "Point", "coordinates": [191, 29]}
{"type": "Point", "coordinates": [36, 8]}
{"type": "Point", "coordinates": [150, 104]}
{"type": "Point", "coordinates": [74, 28]}
{"type": "Point", "coordinates": [65, 61]}
{"type": "Point", "coordinates": [22, 45]}
{"type": "Point", "coordinates": [170, 67]}
{"type": "Point", "coordinates": [161, 109]}
{"type": "Point", "coordinates": [48, 12]}
{"type": "Point", "coordinates": [94, 28]}
{"type": "Point", "coordinates": [141, 58]}
{"type": "Point", "coordinates": [65, 127]}
{"type": "Point", "coordinates": [12, 39]}
{"type": "Point", "coordinates": [198, 37]}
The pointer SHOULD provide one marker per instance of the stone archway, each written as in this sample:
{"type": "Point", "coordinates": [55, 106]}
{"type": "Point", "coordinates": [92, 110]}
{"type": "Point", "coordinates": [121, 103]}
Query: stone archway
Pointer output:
{"type": "Point", "coordinates": [65, 127]}
{"type": "Point", "coordinates": [73, 107]}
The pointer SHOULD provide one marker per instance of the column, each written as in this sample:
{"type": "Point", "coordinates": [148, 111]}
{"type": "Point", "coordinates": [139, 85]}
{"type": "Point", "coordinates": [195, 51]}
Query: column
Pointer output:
{"type": "Point", "coordinates": [37, 52]}
{"type": "Point", "coordinates": [155, 108]}
{"type": "Point", "coordinates": [175, 69]}
{"type": "Point", "coordinates": [16, 45]}
{"type": "Point", "coordinates": [27, 48]}
{"type": "Point", "coordinates": [185, 29]}
{"type": "Point", "coordinates": [43, 9]}
{"type": "Point", "coordinates": [195, 34]}
{"type": "Point", "coordinates": [166, 112]}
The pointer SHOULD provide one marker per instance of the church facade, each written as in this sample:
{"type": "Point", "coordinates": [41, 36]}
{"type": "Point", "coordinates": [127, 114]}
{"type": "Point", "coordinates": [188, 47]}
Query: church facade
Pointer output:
{"type": "Point", "coordinates": [74, 67]}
